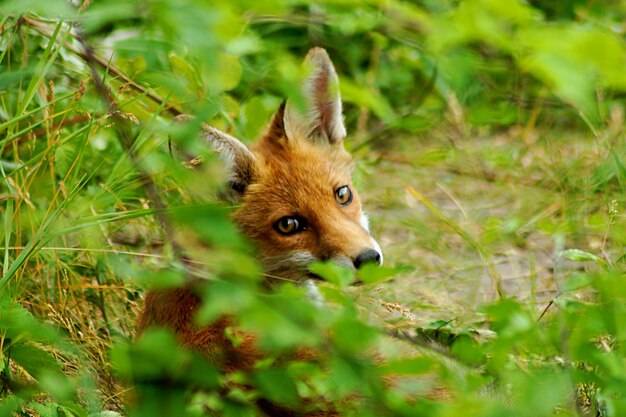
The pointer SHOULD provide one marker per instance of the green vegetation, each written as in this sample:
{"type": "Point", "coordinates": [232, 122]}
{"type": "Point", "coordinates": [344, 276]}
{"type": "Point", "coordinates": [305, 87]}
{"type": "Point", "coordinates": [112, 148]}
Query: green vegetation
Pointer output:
{"type": "Point", "coordinates": [491, 156]}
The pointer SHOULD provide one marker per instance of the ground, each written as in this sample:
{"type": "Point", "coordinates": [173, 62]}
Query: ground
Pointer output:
{"type": "Point", "coordinates": [502, 211]}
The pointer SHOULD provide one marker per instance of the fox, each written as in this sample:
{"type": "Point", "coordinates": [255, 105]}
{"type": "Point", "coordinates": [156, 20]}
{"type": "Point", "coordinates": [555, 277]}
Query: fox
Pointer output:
{"type": "Point", "coordinates": [294, 200]}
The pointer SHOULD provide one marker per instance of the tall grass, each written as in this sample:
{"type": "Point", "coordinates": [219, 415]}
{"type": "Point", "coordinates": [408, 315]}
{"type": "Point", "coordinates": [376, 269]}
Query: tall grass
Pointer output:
{"type": "Point", "coordinates": [490, 153]}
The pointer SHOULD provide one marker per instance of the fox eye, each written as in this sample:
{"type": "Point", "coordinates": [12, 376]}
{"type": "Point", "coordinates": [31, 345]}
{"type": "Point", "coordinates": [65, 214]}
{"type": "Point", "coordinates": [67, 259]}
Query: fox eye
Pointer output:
{"type": "Point", "coordinates": [289, 225]}
{"type": "Point", "coordinates": [343, 195]}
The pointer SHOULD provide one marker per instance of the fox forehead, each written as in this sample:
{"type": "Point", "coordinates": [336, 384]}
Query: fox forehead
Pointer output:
{"type": "Point", "coordinates": [299, 177]}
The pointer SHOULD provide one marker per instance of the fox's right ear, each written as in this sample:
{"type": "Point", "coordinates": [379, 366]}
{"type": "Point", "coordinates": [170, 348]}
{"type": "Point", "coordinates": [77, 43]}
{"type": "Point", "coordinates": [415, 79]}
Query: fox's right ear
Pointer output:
{"type": "Point", "coordinates": [240, 163]}
{"type": "Point", "coordinates": [321, 118]}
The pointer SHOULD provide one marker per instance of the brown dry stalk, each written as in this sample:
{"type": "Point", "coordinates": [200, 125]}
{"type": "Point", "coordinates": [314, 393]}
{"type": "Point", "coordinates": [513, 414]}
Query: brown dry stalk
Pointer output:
{"type": "Point", "coordinates": [40, 132]}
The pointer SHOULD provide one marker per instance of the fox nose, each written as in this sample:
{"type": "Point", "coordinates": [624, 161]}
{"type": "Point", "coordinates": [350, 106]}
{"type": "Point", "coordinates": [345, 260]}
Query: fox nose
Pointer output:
{"type": "Point", "coordinates": [366, 256]}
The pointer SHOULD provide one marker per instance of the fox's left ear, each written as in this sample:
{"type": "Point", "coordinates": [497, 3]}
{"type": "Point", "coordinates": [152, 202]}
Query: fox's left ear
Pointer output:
{"type": "Point", "coordinates": [239, 162]}
{"type": "Point", "coordinates": [321, 118]}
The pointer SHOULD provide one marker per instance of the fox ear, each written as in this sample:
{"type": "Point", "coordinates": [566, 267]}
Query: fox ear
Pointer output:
{"type": "Point", "coordinates": [321, 119]}
{"type": "Point", "coordinates": [239, 161]}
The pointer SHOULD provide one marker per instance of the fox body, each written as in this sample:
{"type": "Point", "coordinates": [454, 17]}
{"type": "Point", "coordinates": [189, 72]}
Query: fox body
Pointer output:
{"type": "Point", "coordinates": [295, 200]}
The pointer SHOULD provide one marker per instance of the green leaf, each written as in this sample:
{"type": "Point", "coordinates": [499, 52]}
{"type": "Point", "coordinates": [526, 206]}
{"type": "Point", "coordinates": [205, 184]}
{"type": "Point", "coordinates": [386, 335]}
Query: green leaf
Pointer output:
{"type": "Point", "coordinates": [57, 385]}
{"type": "Point", "coordinates": [46, 409]}
{"type": "Point", "coordinates": [368, 99]}
{"type": "Point", "coordinates": [183, 68]}
{"type": "Point", "coordinates": [276, 385]}
{"type": "Point", "coordinates": [372, 273]}
{"type": "Point", "coordinates": [467, 349]}
{"type": "Point", "coordinates": [203, 374]}
{"type": "Point", "coordinates": [441, 335]}
{"type": "Point", "coordinates": [346, 375]}
{"type": "Point", "coordinates": [223, 297]}
{"type": "Point", "coordinates": [411, 366]}
{"type": "Point", "coordinates": [160, 280]}
{"type": "Point", "coordinates": [34, 359]}
{"type": "Point", "coordinates": [11, 78]}
{"type": "Point", "coordinates": [257, 111]}
{"type": "Point", "coordinates": [9, 406]}
{"type": "Point", "coordinates": [353, 336]}
{"type": "Point", "coordinates": [509, 319]}
{"type": "Point", "coordinates": [542, 391]}
{"type": "Point", "coordinates": [155, 355]}
{"type": "Point", "coordinates": [278, 323]}
{"type": "Point", "coordinates": [213, 223]}
{"type": "Point", "coordinates": [224, 75]}
{"type": "Point", "coordinates": [50, 8]}
{"type": "Point", "coordinates": [578, 255]}
{"type": "Point", "coordinates": [332, 272]}
{"type": "Point", "coordinates": [101, 14]}
{"type": "Point", "coordinates": [19, 324]}
{"type": "Point", "coordinates": [577, 281]}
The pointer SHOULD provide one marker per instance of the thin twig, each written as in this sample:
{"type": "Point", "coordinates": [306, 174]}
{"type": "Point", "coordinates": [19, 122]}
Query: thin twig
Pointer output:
{"type": "Point", "coordinates": [545, 310]}
{"type": "Point", "coordinates": [93, 60]}
{"type": "Point", "coordinates": [40, 132]}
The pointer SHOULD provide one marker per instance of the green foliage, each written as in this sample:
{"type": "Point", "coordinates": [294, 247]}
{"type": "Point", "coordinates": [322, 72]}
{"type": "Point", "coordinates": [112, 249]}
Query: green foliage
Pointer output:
{"type": "Point", "coordinates": [32, 348]}
{"type": "Point", "coordinates": [90, 217]}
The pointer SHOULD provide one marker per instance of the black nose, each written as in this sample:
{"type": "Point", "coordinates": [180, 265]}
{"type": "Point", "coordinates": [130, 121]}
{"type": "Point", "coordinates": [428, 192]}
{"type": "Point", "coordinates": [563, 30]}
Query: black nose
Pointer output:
{"type": "Point", "coordinates": [367, 256]}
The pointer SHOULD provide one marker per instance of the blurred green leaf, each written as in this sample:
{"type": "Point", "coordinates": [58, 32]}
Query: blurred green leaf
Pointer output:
{"type": "Point", "coordinates": [51, 8]}
{"type": "Point", "coordinates": [332, 272]}
{"type": "Point", "coordinates": [223, 297]}
{"type": "Point", "coordinates": [489, 21]}
{"type": "Point", "coordinates": [225, 75]}
{"type": "Point", "coordinates": [256, 112]}
{"type": "Point", "coordinates": [353, 336]}
{"type": "Point", "coordinates": [155, 355]}
{"type": "Point", "coordinates": [510, 319]}
{"type": "Point", "coordinates": [110, 12]}
{"type": "Point", "coordinates": [371, 273]}
{"type": "Point", "coordinates": [34, 359]}
{"type": "Point", "coordinates": [377, 103]}
{"type": "Point", "coordinates": [542, 391]}
{"type": "Point", "coordinates": [10, 78]}
{"type": "Point", "coordinates": [18, 324]}
{"type": "Point", "coordinates": [578, 255]}
{"type": "Point", "coordinates": [467, 350]}
{"type": "Point", "coordinates": [279, 329]}
{"type": "Point", "coordinates": [185, 69]}
{"type": "Point", "coordinates": [213, 223]}
{"type": "Point", "coordinates": [9, 405]}
{"type": "Point", "coordinates": [411, 366]}
{"type": "Point", "coordinates": [160, 280]}
{"type": "Point", "coordinates": [577, 281]}
{"type": "Point", "coordinates": [575, 60]}
{"type": "Point", "coordinates": [276, 385]}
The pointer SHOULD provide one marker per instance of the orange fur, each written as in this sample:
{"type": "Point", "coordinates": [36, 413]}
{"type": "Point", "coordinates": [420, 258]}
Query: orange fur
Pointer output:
{"type": "Point", "coordinates": [294, 170]}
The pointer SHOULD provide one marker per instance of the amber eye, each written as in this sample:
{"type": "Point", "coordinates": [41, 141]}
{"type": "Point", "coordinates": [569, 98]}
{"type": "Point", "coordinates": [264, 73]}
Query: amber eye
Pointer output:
{"type": "Point", "coordinates": [289, 225]}
{"type": "Point", "coordinates": [343, 195]}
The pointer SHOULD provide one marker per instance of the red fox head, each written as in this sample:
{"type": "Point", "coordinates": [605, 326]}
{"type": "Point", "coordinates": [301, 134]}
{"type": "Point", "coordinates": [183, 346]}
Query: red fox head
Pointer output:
{"type": "Point", "coordinates": [294, 185]}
